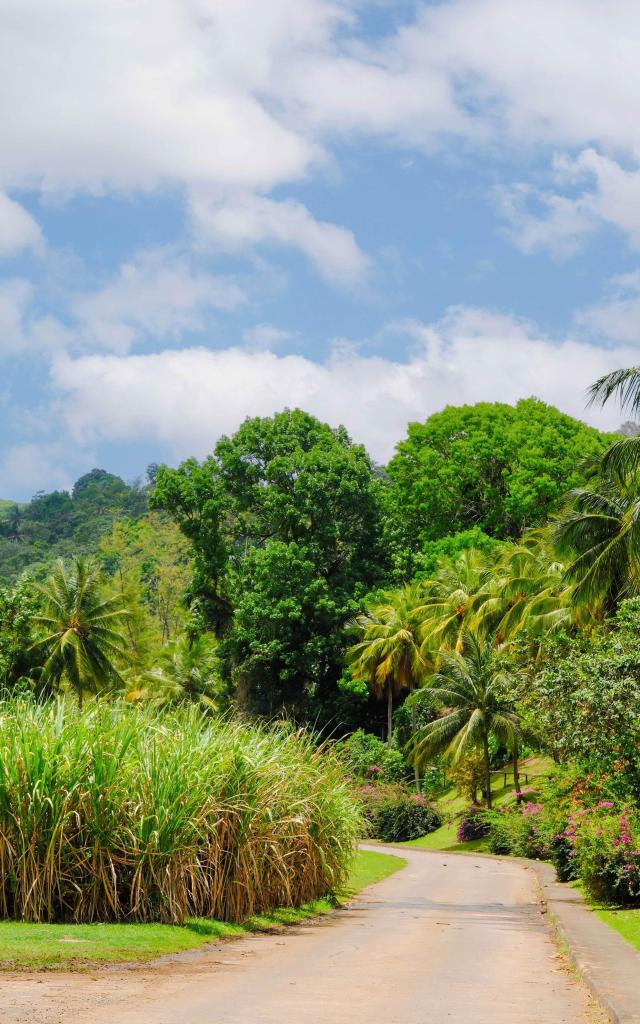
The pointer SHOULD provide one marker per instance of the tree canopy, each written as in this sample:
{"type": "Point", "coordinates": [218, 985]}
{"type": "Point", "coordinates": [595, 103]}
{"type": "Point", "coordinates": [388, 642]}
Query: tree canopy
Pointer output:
{"type": "Point", "coordinates": [60, 524]}
{"type": "Point", "coordinates": [284, 523]}
{"type": "Point", "coordinates": [493, 467]}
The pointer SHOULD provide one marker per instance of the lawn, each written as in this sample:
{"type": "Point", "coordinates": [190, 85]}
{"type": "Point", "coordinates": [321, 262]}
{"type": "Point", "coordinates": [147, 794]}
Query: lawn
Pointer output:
{"type": "Point", "coordinates": [55, 945]}
{"type": "Point", "coordinates": [626, 922]}
{"type": "Point", "coordinates": [451, 805]}
{"type": "Point", "coordinates": [444, 839]}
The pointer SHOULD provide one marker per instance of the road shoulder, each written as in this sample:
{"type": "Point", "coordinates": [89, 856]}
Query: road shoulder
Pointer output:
{"type": "Point", "coordinates": [609, 965]}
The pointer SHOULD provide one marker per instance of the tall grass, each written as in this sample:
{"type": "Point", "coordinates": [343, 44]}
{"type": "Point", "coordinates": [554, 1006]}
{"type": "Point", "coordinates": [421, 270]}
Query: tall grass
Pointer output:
{"type": "Point", "coordinates": [119, 814]}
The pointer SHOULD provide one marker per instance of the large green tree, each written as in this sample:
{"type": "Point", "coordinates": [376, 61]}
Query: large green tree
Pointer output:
{"type": "Point", "coordinates": [491, 466]}
{"type": "Point", "coordinates": [283, 521]}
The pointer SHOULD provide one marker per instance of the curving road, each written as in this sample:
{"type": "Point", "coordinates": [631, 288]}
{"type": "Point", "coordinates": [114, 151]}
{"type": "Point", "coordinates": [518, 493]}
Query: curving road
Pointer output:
{"type": "Point", "coordinates": [448, 940]}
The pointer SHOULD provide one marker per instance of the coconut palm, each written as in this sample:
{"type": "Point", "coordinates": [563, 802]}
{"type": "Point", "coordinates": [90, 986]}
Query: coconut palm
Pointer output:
{"type": "Point", "coordinates": [527, 591]}
{"type": "Point", "coordinates": [474, 692]}
{"type": "Point", "coordinates": [186, 671]}
{"type": "Point", "coordinates": [601, 530]}
{"type": "Point", "coordinates": [83, 638]}
{"type": "Point", "coordinates": [389, 657]}
{"type": "Point", "coordinates": [623, 457]}
{"type": "Point", "coordinates": [452, 600]}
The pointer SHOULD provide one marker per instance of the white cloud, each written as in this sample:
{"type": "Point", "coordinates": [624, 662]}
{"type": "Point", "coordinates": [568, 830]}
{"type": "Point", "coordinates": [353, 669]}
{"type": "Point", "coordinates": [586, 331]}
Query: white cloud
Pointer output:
{"type": "Point", "coordinates": [616, 318]}
{"type": "Point", "coordinates": [247, 220]}
{"type": "Point", "coordinates": [562, 221]}
{"type": "Point", "coordinates": [157, 293]}
{"type": "Point", "coordinates": [31, 466]}
{"type": "Point", "coordinates": [562, 72]}
{"type": "Point", "coordinates": [131, 95]}
{"type": "Point", "coordinates": [559, 226]}
{"type": "Point", "coordinates": [185, 399]}
{"type": "Point", "coordinates": [234, 93]}
{"type": "Point", "coordinates": [18, 229]}
{"type": "Point", "coordinates": [220, 95]}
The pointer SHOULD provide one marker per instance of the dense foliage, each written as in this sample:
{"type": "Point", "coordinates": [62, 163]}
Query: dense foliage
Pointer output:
{"type": "Point", "coordinates": [63, 524]}
{"type": "Point", "coordinates": [367, 757]}
{"type": "Point", "coordinates": [473, 824]}
{"type": "Point", "coordinates": [283, 520]}
{"type": "Point", "coordinates": [406, 818]}
{"type": "Point", "coordinates": [116, 814]}
{"type": "Point", "coordinates": [18, 606]}
{"type": "Point", "coordinates": [581, 699]}
{"type": "Point", "coordinates": [493, 467]}
{"type": "Point", "coordinates": [485, 586]}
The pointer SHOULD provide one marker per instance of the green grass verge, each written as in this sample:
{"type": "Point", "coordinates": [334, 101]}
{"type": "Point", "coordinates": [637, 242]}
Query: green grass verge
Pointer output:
{"type": "Point", "coordinates": [369, 867]}
{"type": "Point", "coordinates": [42, 946]}
{"type": "Point", "coordinates": [626, 922]}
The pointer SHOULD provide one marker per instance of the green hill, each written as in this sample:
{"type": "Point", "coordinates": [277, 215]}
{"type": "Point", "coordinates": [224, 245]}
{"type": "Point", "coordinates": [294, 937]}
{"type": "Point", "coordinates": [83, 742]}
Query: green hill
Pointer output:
{"type": "Point", "coordinates": [62, 523]}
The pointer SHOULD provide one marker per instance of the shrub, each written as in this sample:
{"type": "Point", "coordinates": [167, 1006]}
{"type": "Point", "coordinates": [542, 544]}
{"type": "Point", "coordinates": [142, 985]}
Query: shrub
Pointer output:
{"type": "Point", "coordinates": [121, 813]}
{"type": "Point", "coordinates": [373, 798]}
{"type": "Point", "coordinates": [410, 817]}
{"type": "Point", "coordinates": [369, 758]}
{"type": "Point", "coordinates": [473, 825]}
{"type": "Point", "coordinates": [562, 857]}
{"type": "Point", "coordinates": [606, 847]}
{"type": "Point", "coordinates": [468, 775]}
{"type": "Point", "coordinates": [521, 831]}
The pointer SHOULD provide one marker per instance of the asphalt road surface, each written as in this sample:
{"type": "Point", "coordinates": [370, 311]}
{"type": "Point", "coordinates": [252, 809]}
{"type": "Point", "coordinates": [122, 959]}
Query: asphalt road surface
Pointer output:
{"type": "Point", "coordinates": [448, 940]}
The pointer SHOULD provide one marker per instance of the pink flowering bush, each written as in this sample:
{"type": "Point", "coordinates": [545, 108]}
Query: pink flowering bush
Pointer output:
{"type": "Point", "coordinates": [522, 831]}
{"type": "Point", "coordinates": [373, 797]}
{"type": "Point", "coordinates": [606, 848]}
{"type": "Point", "coordinates": [472, 825]}
{"type": "Point", "coordinates": [393, 813]}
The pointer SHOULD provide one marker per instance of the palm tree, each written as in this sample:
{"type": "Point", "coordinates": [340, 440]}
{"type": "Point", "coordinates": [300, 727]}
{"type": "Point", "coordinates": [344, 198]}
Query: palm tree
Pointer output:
{"type": "Point", "coordinates": [473, 691]}
{"type": "Point", "coordinates": [623, 457]}
{"type": "Point", "coordinates": [453, 599]}
{"type": "Point", "coordinates": [187, 670]}
{"type": "Point", "coordinates": [389, 657]}
{"type": "Point", "coordinates": [527, 591]}
{"type": "Point", "coordinates": [601, 530]}
{"type": "Point", "coordinates": [83, 639]}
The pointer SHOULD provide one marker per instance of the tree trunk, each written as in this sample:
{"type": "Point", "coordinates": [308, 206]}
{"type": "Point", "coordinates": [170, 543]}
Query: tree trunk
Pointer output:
{"type": "Point", "coordinates": [516, 774]}
{"type": "Point", "coordinates": [416, 770]}
{"type": "Point", "coordinates": [487, 769]}
{"type": "Point", "coordinates": [389, 714]}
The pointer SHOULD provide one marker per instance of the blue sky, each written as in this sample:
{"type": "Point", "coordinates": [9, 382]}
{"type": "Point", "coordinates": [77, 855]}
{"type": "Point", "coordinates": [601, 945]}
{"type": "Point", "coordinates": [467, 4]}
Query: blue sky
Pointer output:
{"type": "Point", "coordinates": [217, 208]}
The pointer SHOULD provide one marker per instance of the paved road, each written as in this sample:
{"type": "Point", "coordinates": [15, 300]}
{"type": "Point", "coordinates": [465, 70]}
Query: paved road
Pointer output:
{"type": "Point", "coordinates": [449, 940]}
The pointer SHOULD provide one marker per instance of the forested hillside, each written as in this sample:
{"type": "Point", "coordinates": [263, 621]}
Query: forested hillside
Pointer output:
{"type": "Point", "coordinates": [62, 524]}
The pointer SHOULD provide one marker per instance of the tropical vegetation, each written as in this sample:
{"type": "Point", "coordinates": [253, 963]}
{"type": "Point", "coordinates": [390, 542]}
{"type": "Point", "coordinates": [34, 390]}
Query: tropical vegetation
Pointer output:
{"type": "Point", "coordinates": [114, 814]}
{"type": "Point", "coordinates": [258, 657]}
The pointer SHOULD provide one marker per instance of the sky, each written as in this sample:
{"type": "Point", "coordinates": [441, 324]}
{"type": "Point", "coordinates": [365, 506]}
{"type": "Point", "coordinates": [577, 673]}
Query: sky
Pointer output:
{"type": "Point", "coordinates": [369, 209]}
